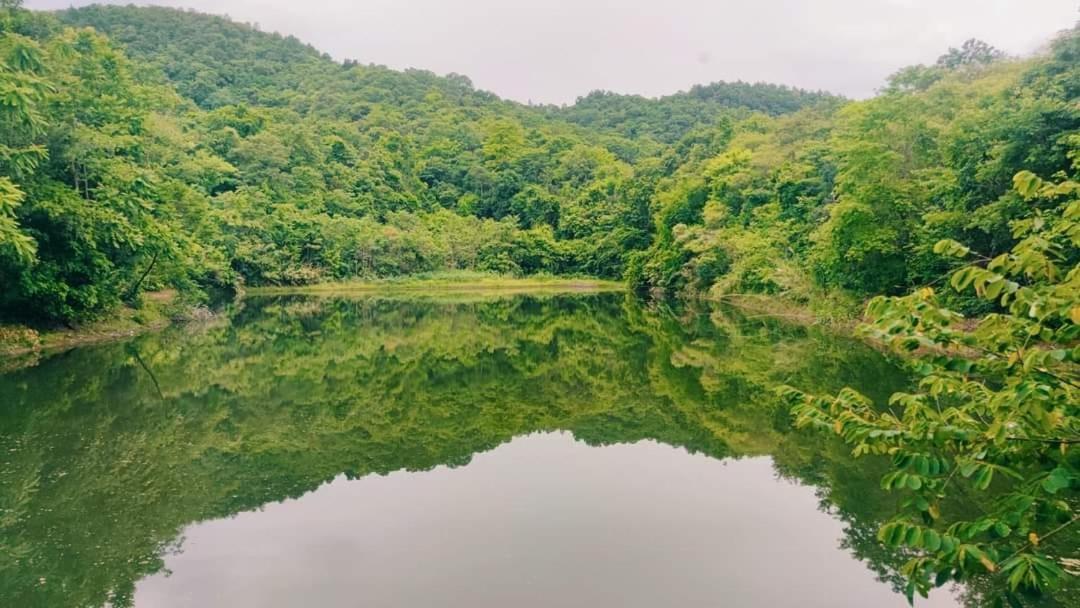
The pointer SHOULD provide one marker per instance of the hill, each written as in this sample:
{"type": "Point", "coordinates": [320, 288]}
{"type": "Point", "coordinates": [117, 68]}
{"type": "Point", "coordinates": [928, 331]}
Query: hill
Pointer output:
{"type": "Point", "coordinates": [667, 119]}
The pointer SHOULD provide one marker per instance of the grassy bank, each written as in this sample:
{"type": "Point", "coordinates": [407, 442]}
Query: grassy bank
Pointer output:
{"type": "Point", "coordinates": [443, 282]}
{"type": "Point", "coordinates": [156, 311]}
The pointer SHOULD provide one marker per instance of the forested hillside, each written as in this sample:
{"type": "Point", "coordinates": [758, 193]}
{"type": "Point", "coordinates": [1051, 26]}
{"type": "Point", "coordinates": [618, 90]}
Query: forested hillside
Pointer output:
{"type": "Point", "coordinates": [670, 118]}
{"type": "Point", "coordinates": [152, 147]}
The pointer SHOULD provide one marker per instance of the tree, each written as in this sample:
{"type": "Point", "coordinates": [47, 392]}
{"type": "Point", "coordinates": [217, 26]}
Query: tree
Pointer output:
{"type": "Point", "coordinates": [997, 406]}
{"type": "Point", "coordinates": [972, 53]}
{"type": "Point", "coordinates": [22, 90]}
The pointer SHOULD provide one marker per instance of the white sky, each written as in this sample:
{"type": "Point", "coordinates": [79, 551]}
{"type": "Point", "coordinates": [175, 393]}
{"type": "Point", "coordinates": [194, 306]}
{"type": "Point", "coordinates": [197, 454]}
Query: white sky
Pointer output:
{"type": "Point", "coordinates": [553, 51]}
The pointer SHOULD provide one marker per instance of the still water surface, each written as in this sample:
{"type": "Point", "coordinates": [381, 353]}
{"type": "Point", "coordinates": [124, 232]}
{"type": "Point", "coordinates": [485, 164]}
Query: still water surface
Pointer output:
{"type": "Point", "coordinates": [576, 450]}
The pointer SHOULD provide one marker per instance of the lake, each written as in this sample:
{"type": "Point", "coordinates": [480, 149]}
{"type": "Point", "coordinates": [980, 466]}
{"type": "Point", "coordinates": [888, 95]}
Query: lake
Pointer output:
{"type": "Point", "coordinates": [444, 450]}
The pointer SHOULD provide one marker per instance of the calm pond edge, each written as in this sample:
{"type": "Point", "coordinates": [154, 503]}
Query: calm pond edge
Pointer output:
{"type": "Point", "coordinates": [21, 345]}
{"type": "Point", "coordinates": [437, 284]}
{"type": "Point", "coordinates": [159, 310]}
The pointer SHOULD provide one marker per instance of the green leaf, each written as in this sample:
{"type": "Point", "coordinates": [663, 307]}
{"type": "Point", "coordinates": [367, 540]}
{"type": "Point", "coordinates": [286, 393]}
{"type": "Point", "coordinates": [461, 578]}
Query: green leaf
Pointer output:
{"type": "Point", "coordinates": [914, 537]}
{"type": "Point", "coordinates": [951, 248]}
{"type": "Point", "coordinates": [931, 540]}
{"type": "Point", "coordinates": [1027, 184]}
{"type": "Point", "coordinates": [1002, 529]}
{"type": "Point", "coordinates": [1058, 479]}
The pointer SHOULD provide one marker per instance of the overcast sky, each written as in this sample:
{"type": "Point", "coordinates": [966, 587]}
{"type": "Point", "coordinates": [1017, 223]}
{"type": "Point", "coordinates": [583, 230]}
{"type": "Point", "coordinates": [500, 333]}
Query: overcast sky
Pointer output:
{"type": "Point", "coordinates": [556, 50]}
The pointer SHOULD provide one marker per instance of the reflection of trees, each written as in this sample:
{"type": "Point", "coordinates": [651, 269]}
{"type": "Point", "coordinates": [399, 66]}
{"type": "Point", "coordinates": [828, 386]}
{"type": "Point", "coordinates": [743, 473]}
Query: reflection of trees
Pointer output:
{"type": "Point", "coordinates": [109, 452]}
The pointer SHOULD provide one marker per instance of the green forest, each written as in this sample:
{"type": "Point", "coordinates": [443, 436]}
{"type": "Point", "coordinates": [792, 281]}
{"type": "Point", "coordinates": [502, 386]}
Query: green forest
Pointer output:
{"type": "Point", "coordinates": [148, 149]}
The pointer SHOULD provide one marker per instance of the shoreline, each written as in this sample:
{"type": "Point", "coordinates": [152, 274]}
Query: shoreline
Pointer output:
{"type": "Point", "coordinates": [65, 339]}
{"type": "Point", "coordinates": [776, 307]}
{"type": "Point", "coordinates": [160, 310]}
{"type": "Point", "coordinates": [439, 284]}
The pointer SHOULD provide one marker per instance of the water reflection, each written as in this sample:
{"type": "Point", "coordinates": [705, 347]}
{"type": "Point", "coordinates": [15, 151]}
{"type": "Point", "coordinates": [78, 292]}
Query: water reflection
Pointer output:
{"type": "Point", "coordinates": [111, 454]}
{"type": "Point", "coordinates": [541, 521]}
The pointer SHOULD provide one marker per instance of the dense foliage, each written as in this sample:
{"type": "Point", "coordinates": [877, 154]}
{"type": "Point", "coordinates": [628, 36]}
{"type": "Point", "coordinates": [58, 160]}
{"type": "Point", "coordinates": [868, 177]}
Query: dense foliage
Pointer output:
{"type": "Point", "coordinates": [997, 405]}
{"type": "Point", "coordinates": [853, 197]}
{"type": "Point", "coordinates": [171, 148]}
{"type": "Point", "coordinates": [668, 119]}
{"type": "Point", "coordinates": [288, 168]}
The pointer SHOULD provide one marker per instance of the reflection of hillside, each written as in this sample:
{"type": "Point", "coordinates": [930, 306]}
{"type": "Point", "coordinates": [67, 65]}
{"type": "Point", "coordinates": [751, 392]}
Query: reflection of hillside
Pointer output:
{"type": "Point", "coordinates": [110, 451]}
